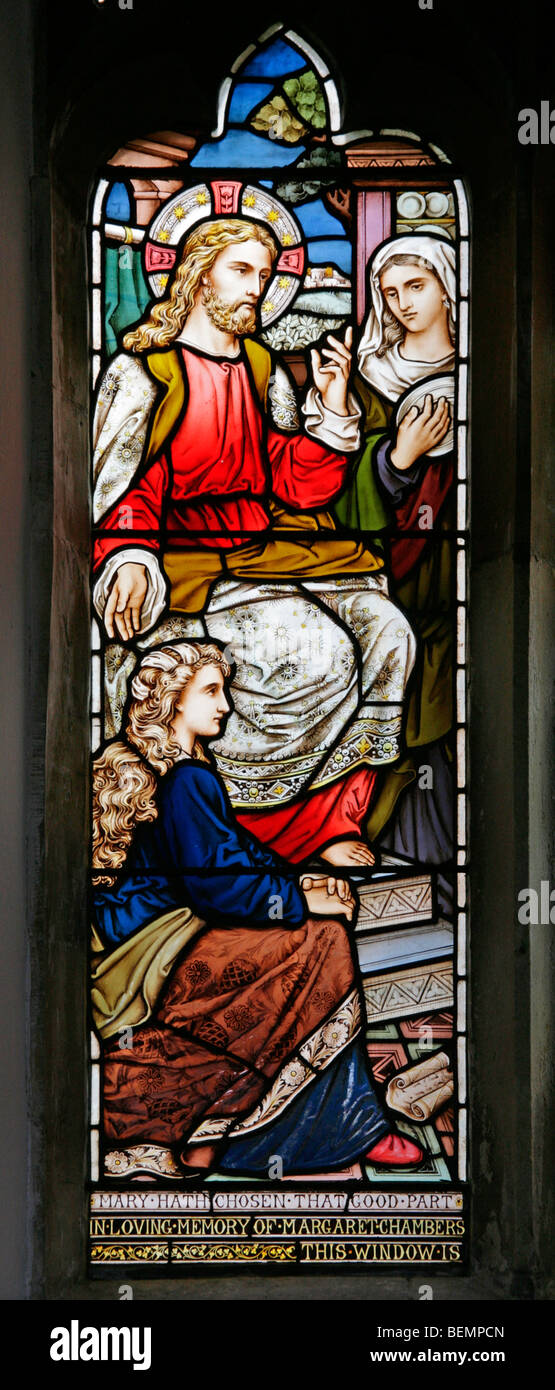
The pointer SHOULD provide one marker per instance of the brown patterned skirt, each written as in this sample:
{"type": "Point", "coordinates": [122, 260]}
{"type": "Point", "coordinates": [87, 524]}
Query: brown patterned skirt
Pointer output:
{"type": "Point", "coordinates": [239, 1003]}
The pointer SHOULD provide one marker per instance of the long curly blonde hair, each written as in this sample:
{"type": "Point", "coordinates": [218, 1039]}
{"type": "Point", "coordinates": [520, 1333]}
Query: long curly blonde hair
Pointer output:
{"type": "Point", "coordinates": [124, 781]}
{"type": "Point", "coordinates": [202, 246]}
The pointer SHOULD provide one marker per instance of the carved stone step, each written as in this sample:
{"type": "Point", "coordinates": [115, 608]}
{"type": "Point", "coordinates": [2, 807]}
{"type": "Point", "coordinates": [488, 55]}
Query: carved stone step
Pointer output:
{"type": "Point", "coordinates": [417, 989]}
{"type": "Point", "coordinates": [385, 903]}
{"type": "Point", "coordinates": [395, 896]}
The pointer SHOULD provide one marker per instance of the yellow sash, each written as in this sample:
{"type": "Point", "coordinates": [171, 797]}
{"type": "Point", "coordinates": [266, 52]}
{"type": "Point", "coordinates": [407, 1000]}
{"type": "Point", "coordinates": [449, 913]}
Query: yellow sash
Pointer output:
{"type": "Point", "coordinates": [192, 570]}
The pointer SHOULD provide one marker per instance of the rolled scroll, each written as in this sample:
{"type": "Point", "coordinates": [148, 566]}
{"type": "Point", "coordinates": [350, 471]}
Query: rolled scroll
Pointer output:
{"type": "Point", "coordinates": [420, 1091]}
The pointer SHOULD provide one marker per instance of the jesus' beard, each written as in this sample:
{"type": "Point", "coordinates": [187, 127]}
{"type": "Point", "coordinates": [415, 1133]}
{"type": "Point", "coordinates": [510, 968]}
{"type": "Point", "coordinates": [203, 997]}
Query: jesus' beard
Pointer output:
{"type": "Point", "coordinates": [237, 318]}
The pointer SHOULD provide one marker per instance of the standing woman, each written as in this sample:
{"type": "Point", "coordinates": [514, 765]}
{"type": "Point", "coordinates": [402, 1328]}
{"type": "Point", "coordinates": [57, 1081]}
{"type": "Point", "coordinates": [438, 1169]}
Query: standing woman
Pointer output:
{"type": "Point", "coordinates": [223, 986]}
{"type": "Point", "coordinates": [403, 481]}
{"type": "Point", "coordinates": [410, 330]}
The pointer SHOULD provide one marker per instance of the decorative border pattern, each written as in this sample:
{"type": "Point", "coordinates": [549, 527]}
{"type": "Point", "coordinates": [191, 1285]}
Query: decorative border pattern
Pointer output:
{"type": "Point", "coordinates": [395, 904]}
{"type": "Point", "coordinates": [325, 1044]}
{"type": "Point", "coordinates": [130, 1254]}
{"type": "Point", "coordinates": [141, 1158]}
{"type": "Point", "coordinates": [409, 991]}
{"type": "Point", "coordinates": [372, 741]}
{"type": "Point", "coordinates": [223, 1254]}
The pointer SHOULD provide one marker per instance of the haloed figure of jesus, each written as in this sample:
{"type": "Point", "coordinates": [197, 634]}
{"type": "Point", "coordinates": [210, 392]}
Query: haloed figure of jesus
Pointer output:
{"type": "Point", "coordinates": [205, 468]}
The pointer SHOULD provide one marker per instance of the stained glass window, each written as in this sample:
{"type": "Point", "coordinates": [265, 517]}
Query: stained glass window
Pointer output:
{"type": "Point", "coordinates": [279, 367]}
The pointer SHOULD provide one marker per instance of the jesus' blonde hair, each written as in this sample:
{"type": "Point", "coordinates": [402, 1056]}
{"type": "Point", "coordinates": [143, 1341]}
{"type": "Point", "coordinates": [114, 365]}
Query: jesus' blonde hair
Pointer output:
{"type": "Point", "coordinates": [202, 246]}
{"type": "Point", "coordinates": [124, 781]}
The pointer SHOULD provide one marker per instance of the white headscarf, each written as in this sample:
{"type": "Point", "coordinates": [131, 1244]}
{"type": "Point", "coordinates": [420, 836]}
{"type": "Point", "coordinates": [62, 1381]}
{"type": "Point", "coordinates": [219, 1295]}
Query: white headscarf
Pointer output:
{"type": "Point", "coordinates": [392, 374]}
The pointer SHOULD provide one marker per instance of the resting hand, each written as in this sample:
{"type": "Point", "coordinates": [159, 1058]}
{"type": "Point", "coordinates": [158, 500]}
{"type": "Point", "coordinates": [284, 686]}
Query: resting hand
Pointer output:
{"type": "Point", "coordinates": [331, 377]}
{"type": "Point", "coordinates": [419, 431]}
{"type": "Point", "coordinates": [125, 601]}
{"type": "Point", "coordinates": [328, 897]}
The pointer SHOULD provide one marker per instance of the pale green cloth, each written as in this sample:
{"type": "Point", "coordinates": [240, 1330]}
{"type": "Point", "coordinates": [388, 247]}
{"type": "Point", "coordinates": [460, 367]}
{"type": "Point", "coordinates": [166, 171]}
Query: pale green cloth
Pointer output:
{"type": "Point", "coordinates": [126, 983]}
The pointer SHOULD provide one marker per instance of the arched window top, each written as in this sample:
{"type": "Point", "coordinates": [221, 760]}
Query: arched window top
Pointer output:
{"type": "Point", "coordinates": [282, 67]}
{"type": "Point", "coordinates": [278, 139]}
{"type": "Point", "coordinates": [364, 232]}
{"type": "Point", "coordinates": [280, 106]}
{"type": "Point", "coordinates": [279, 97]}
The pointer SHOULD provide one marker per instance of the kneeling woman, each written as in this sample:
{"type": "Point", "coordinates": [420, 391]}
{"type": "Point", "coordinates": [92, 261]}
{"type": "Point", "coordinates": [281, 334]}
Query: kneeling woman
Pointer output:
{"type": "Point", "coordinates": [223, 986]}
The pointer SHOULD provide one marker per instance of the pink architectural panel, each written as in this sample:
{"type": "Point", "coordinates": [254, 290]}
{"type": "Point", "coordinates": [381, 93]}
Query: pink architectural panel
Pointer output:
{"type": "Point", "coordinates": [374, 225]}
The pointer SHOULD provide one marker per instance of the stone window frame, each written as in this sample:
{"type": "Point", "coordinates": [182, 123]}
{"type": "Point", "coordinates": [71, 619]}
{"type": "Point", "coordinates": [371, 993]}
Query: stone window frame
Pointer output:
{"type": "Point", "coordinates": [511, 661]}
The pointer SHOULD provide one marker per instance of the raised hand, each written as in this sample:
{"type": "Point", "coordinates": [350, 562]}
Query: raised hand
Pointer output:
{"type": "Point", "coordinates": [331, 377]}
{"type": "Point", "coordinates": [125, 601]}
{"type": "Point", "coordinates": [420, 430]}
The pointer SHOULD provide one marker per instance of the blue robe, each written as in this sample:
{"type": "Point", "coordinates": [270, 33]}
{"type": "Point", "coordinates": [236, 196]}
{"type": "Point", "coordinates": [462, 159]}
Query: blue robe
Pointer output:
{"type": "Point", "coordinates": [196, 854]}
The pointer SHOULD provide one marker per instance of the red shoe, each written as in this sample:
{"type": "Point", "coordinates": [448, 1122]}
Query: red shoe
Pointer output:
{"type": "Point", "coordinates": [395, 1152]}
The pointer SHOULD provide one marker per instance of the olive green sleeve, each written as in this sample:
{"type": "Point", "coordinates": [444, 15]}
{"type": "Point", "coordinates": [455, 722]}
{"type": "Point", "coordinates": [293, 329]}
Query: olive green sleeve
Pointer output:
{"type": "Point", "coordinates": [360, 506]}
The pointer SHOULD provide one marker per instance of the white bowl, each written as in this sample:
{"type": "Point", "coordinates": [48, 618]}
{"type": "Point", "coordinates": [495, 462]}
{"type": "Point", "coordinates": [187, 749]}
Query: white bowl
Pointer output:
{"type": "Point", "coordinates": [411, 205]}
{"type": "Point", "coordinates": [435, 386]}
{"type": "Point", "coordinates": [437, 204]}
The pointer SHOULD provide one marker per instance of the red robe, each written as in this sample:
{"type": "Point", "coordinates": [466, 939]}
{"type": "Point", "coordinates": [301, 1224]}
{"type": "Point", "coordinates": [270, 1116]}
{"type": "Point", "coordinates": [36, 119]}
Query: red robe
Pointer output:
{"type": "Point", "coordinates": [210, 487]}
{"type": "Point", "coordinates": [222, 462]}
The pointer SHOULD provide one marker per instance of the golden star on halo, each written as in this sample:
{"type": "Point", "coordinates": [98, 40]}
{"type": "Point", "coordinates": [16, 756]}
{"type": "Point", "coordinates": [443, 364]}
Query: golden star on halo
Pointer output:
{"type": "Point", "coordinates": [179, 212]}
{"type": "Point", "coordinates": [249, 201]}
{"type": "Point", "coordinates": [283, 282]}
{"type": "Point", "coordinates": [163, 236]}
{"type": "Point", "coordinates": [268, 307]}
{"type": "Point", "coordinates": [273, 215]}
{"type": "Point", "coordinates": [201, 198]}
{"type": "Point", "coordinates": [328, 271]}
{"type": "Point", "coordinates": [287, 239]}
